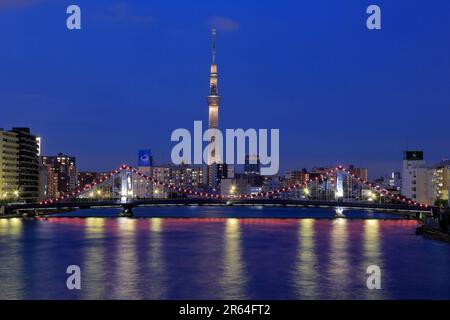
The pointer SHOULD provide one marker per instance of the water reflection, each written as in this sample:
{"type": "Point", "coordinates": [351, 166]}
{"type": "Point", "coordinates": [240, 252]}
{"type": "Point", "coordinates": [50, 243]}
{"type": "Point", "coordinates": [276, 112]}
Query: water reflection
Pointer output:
{"type": "Point", "coordinates": [156, 225]}
{"type": "Point", "coordinates": [339, 263]}
{"type": "Point", "coordinates": [233, 280]}
{"type": "Point", "coordinates": [11, 227]}
{"type": "Point", "coordinates": [11, 263]}
{"type": "Point", "coordinates": [372, 254]}
{"type": "Point", "coordinates": [126, 273]}
{"type": "Point", "coordinates": [94, 266]}
{"type": "Point", "coordinates": [306, 273]}
{"type": "Point", "coordinates": [94, 228]}
{"type": "Point", "coordinates": [156, 262]}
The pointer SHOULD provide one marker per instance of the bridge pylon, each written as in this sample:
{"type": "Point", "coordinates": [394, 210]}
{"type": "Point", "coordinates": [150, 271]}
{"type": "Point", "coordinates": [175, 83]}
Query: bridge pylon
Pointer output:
{"type": "Point", "coordinates": [126, 186]}
{"type": "Point", "coordinates": [127, 211]}
{"type": "Point", "coordinates": [339, 185]}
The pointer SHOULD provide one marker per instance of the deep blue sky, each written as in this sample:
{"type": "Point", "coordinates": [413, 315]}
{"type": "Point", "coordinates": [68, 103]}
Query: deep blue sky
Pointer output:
{"type": "Point", "coordinates": [139, 69]}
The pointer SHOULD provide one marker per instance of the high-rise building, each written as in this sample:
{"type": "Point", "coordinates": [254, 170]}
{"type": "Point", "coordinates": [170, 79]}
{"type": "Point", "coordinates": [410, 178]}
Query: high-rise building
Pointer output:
{"type": "Point", "coordinates": [141, 188]}
{"type": "Point", "coordinates": [184, 176]}
{"type": "Point", "coordinates": [439, 183]}
{"type": "Point", "coordinates": [217, 172]}
{"type": "Point", "coordinates": [414, 176]}
{"type": "Point", "coordinates": [395, 180]}
{"type": "Point", "coordinates": [43, 182]}
{"type": "Point", "coordinates": [252, 171]}
{"type": "Point", "coordinates": [234, 187]}
{"type": "Point", "coordinates": [213, 98]}
{"type": "Point", "coordinates": [230, 171]}
{"type": "Point", "coordinates": [28, 161]}
{"type": "Point", "coordinates": [39, 145]}
{"type": "Point", "coordinates": [62, 174]}
{"type": "Point", "coordinates": [9, 165]}
{"type": "Point", "coordinates": [43, 174]}
{"type": "Point", "coordinates": [145, 158]}
{"type": "Point", "coordinates": [85, 178]}
{"type": "Point", "coordinates": [252, 164]}
{"type": "Point", "coordinates": [19, 165]}
{"type": "Point", "coordinates": [296, 177]}
{"type": "Point", "coordinates": [361, 173]}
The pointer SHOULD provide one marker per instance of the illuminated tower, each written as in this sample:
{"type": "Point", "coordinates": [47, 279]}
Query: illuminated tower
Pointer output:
{"type": "Point", "coordinates": [213, 98]}
{"type": "Point", "coordinates": [215, 169]}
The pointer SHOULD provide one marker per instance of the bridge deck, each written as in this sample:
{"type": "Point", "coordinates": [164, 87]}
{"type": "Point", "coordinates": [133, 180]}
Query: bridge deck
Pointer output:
{"type": "Point", "coordinates": [222, 202]}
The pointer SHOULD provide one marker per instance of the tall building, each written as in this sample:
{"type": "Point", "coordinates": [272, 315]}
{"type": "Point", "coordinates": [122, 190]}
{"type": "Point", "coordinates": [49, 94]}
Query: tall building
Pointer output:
{"type": "Point", "coordinates": [252, 164]}
{"type": "Point", "coordinates": [88, 177]}
{"type": "Point", "coordinates": [19, 165]}
{"type": "Point", "coordinates": [28, 161]}
{"type": "Point", "coordinates": [145, 158]}
{"type": "Point", "coordinates": [395, 180]}
{"type": "Point", "coordinates": [43, 182]}
{"type": "Point", "coordinates": [234, 187]}
{"type": "Point", "coordinates": [62, 174]}
{"type": "Point", "coordinates": [414, 176]}
{"type": "Point", "coordinates": [9, 165]}
{"type": "Point", "coordinates": [213, 98]}
{"type": "Point", "coordinates": [439, 183]}
{"type": "Point", "coordinates": [184, 176]}
{"type": "Point", "coordinates": [215, 171]}
{"type": "Point", "coordinates": [43, 174]}
{"type": "Point", "coordinates": [39, 145]}
{"type": "Point", "coordinates": [296, 177]}
{"type": "Point", "coordinates": [361, 173]}
{"type": "Point", "coordinates": [141, 188]}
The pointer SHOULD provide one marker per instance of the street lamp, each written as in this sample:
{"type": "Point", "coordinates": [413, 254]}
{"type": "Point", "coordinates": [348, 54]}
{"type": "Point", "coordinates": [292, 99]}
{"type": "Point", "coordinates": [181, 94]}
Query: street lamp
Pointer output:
{"type": "Point", "coordinates": [233, 190]}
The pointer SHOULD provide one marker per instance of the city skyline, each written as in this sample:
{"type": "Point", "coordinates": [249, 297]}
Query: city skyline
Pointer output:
{"type": "Point", "coordinates": [67, 88]}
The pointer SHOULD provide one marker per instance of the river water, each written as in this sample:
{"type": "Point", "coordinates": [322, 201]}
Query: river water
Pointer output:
{"type": "Point", "coordinates": [220, 253]}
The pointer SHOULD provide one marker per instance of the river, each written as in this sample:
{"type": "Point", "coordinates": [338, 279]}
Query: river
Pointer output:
{"type": "Point", "coordinates": [220, 253]}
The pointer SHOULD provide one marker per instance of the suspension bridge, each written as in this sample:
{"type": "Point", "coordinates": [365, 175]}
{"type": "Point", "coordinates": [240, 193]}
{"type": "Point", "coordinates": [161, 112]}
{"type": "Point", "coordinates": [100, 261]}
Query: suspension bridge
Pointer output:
{"type": "Point", "coordinates": [120, 194]}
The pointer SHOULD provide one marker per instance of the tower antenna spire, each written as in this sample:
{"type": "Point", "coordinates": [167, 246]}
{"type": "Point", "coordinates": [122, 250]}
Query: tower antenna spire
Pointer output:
{"type": "Point", "coordinates": [213, 46]}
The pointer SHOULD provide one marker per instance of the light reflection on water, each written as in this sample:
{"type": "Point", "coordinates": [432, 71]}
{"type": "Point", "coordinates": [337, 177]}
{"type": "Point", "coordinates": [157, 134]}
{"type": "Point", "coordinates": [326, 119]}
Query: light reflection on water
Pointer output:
{"type": "Point", "coordinates": [373, 255]}
{"type": "Point", "coordinates": [219, 258]}
{"type": "Point", "coordinates": [126, 275]}
{"type": "Point", "coordinates": [156, 261]}
{"type": "Point", "coordinates": [339, 265]}
{"type": "Point", "coordinates": [306, 270]}
{"type": "Point", "coordinates": [94, 259]}
{"type": "Point", "coordinates": [11, 279]}
{"type": "Point", "coordinates": [233, 279]}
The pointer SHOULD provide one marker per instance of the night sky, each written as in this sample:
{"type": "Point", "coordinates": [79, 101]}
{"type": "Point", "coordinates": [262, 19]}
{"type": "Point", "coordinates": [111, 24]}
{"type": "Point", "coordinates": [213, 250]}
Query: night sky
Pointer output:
{"type": "Point", "coordinates": [137, 70]}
